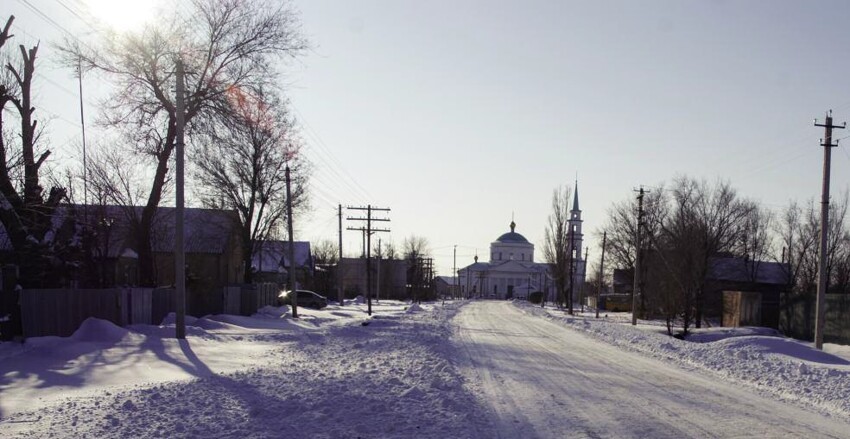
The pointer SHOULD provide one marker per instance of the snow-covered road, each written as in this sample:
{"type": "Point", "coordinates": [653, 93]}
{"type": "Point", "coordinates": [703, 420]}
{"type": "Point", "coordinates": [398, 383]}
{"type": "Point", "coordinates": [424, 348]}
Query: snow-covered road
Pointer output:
{"type": "Point", "coordinates": [544, 380]}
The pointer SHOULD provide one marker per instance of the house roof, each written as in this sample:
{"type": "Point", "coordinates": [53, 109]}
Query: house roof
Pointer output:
{"type": "Point", "coordinates": [742, 270]}
{"type": "Point", "coordinates": [270, 256]}
{"type": "Point", "coordinates": [448, 280]}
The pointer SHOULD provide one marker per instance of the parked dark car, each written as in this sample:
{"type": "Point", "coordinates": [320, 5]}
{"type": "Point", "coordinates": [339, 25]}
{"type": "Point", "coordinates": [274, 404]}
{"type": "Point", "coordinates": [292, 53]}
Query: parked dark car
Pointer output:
{"type": "Point", "coordinates": [306, 298]}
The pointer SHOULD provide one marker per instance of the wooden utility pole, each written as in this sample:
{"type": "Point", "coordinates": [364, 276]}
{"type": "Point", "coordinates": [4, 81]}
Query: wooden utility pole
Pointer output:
{"type": "Point", "coordinates": [367, 233]}
{"type": "Point", "coordinates": [454, 270]}
{"type": "Point", "coordinates": [293, 294]}
{"type": "Point", "coordinates": [380, 262]}
{"type": "Point", "coordinates": [572, 270]}
{"type": "Point", "coordinates": [179, 250]}
{"type": "Point", "coordinates": [820, 309]}
{"type": "Point", "coordinates": [601, 270]}
{"type": "Point", "coordinates": [636, 290]}
{"type": "Point", "coordinates": [339, 276]}
{"type": "Point", "coordinates": [584, 279]}
{"type": "Point", "coordinates": [85, 160]}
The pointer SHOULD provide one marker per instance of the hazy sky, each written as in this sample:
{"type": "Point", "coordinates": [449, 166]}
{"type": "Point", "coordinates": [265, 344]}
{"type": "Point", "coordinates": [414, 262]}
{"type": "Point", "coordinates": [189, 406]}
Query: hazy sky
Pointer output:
{"type": "Point", "coordinates": [457, 113]}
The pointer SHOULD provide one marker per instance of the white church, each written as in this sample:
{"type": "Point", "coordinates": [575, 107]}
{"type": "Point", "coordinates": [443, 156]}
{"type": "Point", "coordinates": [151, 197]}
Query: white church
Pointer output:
{"type": "Point", "coordinates": [512, 272]}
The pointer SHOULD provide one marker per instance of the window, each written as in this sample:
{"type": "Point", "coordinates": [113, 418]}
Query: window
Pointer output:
{"type": "Point", "coordinates": [500, 256]}
{"type": "Point", "coordinates": [523, 256]}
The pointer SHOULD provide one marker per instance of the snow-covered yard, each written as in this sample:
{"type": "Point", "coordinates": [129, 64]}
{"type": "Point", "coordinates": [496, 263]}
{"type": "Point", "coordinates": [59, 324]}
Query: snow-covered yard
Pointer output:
{"type": "Point", "coordinates": [337, 373]}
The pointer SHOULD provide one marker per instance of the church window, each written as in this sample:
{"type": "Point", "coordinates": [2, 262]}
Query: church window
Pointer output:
{"type": "Point", "coordinates": [523, 256]}
{"type": "Point", "coordinates": [500, 256]}
{"type": "Point", "coordinates": [495, 289]}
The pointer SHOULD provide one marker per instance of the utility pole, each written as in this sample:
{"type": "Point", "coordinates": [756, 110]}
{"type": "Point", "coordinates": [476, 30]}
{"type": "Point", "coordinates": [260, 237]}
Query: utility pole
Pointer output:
{"type": "Point", "coordinates": [85, 161]}
{"type": "Point", "coordinates": [454, 270]}
{"type": "Point", "coordinates": [827, 144]}
{"type": "Point", "coordinates": [636, 290]}
{"type": "Point", "coordinates": [293, 294]}
{"type": "Point", "coordinates": [367, 233]}
{"type": "Point", "coordinates": [545, 289]}
{"type": "Point", "coordinates": [179, 250]}
{"type": "Point", "coordinates": [339, 276]}
{"type": "Point", "coordinates": [584, 278]}
{"type": "Point", "coordinates": [380, 262]}
{"type": "Point", "coordinates": [572, 270]}
{"type": "Point", "coordinates": [601, 270]}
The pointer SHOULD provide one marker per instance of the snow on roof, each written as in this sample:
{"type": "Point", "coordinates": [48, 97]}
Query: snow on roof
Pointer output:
{"type": "Point", "coordinates": [270, 256]}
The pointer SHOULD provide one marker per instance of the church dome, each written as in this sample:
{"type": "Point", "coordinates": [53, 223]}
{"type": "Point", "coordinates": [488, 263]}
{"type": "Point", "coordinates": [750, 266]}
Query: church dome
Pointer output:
{"type": "Point", "coordinates": [512, 236]}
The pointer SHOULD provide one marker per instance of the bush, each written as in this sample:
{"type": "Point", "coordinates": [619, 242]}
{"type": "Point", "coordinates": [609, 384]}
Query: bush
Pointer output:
{"type": "Point", "coordinates": [536, 297]}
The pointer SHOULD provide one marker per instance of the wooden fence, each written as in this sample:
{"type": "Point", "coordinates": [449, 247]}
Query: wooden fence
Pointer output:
{"type": "Point", "coordinates": [247, 299]}
{"type": "Point", "coordinates": [61, 311]}
{"type": "Point", "coordinates": [798, 319]}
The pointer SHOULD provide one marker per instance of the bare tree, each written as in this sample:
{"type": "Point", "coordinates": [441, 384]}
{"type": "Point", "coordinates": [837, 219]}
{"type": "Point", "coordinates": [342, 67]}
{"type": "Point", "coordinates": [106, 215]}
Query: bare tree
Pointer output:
{"type": "Point", "coordinates": [556, 242]}
{"type": "Point", "coordinates": [226, 45]}
{"type": "Point", "coordinates": [416, 246]}
{"type": "Point", "coordinates": [241, 163]}
{"type": "Point", "coordinates": [755, 240]}
{"type": "Point", "coordinates": [325, 252]}
{"type": "Point", "coordinates": [621, 225]}
{"type": "Point", "coordinates": [390, 250]}
{"type": "Point", "coordinates": [24, 211]}
{"type": "Point", "coordinates": [416, 252]}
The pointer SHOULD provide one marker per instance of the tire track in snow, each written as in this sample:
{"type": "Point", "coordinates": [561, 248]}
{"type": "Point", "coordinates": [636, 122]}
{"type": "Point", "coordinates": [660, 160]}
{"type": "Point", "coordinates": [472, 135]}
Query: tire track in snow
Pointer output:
{"type": "Point", "coordinates": [543, 380]}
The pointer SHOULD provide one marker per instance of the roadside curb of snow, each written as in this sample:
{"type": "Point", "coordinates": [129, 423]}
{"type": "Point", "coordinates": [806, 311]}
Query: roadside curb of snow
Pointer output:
{"type": "Point", "coordinates": [807, 384]}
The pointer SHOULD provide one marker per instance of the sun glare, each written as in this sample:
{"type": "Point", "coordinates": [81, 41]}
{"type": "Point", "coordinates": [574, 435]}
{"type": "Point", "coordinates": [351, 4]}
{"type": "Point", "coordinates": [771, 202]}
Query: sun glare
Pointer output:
{"type": "Point", "coordinates": [122, 14]}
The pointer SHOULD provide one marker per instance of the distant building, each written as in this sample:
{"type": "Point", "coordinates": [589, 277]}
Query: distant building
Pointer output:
{"type": "Point", "coordinates": [270, 262]}
{"type": "Point", "coordinates": [512, 271]}
{"type": "Point", "coordinates": [389, 278]}
{"type": "Point", "coordinates": [446, 286]}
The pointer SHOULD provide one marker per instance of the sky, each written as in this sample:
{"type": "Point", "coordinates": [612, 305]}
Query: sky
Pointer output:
{"type": "Point", "coordinates": [459, 115]}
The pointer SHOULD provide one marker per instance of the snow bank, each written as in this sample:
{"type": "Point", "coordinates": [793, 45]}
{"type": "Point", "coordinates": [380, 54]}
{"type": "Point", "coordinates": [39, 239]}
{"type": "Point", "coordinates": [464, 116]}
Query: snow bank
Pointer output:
{"type": "Point", "coordinates": [413, 308]}
{"type": "Point", "coordinates": [392, 379]}
{"type": "Point", "coordinates": [272, 312]}
{"type": "Point", "coordinates": [99, 331]}
{"type": "Point", "coordinates": [780, 367]}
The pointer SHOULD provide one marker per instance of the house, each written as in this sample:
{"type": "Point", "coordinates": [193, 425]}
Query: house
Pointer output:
{"type": "Point", "coordinates": [103, 236]}
{"type": "Point", "coordinates": [623, 281]}
{"type": "Point", "coordinates": [270, 262]}
{"type": "Point", "coordinates": [446, 286]}
{"type": "Point", "coordinates": [744, 292]}
{"type": "Point", "coordinates": [388, 279]}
